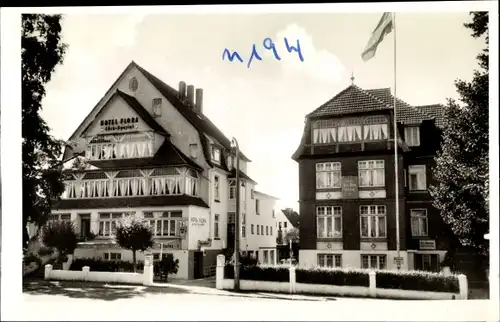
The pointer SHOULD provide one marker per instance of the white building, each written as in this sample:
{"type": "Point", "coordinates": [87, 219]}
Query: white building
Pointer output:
{"type": "Point", "coordinates": [151, 151]}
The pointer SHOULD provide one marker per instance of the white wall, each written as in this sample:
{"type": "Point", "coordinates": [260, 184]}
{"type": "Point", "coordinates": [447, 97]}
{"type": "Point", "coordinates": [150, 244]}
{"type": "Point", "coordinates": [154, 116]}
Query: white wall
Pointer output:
{"type": "Point", "coordinates": [281, 218]}
{"type": "Point", "coordinates": [198, 226]}
{"type": "Point", "coordinates": [219, 207]}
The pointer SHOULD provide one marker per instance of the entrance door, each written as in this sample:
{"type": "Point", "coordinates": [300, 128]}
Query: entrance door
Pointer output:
{"type": "Point", "coordinates": [198, 265]}
{"type": "Point", "coordinates": [85, 227]}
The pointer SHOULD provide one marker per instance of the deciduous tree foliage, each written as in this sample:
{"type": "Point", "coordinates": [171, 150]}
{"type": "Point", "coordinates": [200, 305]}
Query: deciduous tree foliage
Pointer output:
{"type": "Point", "coordinates": [462, 192]}
{"type": "Point", "coordinates": [61, 236]}
{"type": "Point", "coordinates": [41, 51]}
{"type": "Point", "coordinates": [134, 233]}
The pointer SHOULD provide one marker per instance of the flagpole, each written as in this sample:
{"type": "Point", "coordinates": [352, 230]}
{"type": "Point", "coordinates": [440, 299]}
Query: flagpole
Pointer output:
{"type": "Point", "coordinates": [398, 263]}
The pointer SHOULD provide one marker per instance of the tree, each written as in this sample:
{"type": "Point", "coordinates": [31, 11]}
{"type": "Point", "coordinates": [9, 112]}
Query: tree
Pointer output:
{"type": "Point", "coordinates": [60, 235]}
{"type": "Point", "coordinates": [134, 233]}
{"type": "Point", "coordinates": [462, 190]}
{"type": "Point", "coordinates": [293, 235]}
{"type": "Point", "coordinates": [41, 51]}
{"type": "Point", "coordinates": [167, 265]}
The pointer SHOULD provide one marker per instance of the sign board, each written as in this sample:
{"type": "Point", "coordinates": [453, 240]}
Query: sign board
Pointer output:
{"type": "Point", "coordinates": [398, 260]}
{"type": "Point", "coordinates": [350, 187]}
{"type": "Point", "coordinates": [427, 244]}
{"type": "Point", "coordinates": [198, 222]}
{"type": "Point", "coordinates": [121, 124]}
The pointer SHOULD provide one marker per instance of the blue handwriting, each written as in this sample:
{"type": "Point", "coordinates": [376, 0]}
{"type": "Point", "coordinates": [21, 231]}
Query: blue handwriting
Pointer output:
{"type": "Point", "coordinates": [268, 44]}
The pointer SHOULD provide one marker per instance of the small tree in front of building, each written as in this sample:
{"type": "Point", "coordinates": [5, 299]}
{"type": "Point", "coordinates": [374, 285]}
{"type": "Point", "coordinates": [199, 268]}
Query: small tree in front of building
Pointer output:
{"type": "Point", "coordinates": [59, 235]}
{"type": "Point", "coordinates": [135, 234]}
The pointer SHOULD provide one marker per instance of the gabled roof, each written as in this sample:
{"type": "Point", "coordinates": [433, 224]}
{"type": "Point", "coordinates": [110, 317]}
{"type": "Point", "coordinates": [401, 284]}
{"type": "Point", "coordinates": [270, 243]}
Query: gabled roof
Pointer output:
{"type": "Point", "coordinates": [266, 195]}
{"type": "Point", "coordinates": [437, 111]}
{"type": "Point", "coordinates": [198, 120]}
{"type": "Point", "coordinates": [138, 108]}
{"type": "Point", "coordinates": [351, 100]}
{"type": "Point", "coordinates": [292, 216]}
{"type": "Point", "coordinates": [406, 113]}
{"type": "Point", "coordinates": [167, 155]}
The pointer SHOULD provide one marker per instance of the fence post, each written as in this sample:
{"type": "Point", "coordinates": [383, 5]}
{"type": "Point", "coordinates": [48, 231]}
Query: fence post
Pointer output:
{"type": "Point", "coordinates": [293, 279]}
{"type": "Point", "coordinates": [48, 270]}
{"type": "Point", "coordinates": [462, 284]}
{"type": "Point", "coordinates": [373, 283]}
{"type": "Point", "coordinates": [219, 272]}
{"type": "Point", "coordinates": [148, 273]}
{"type": "Point", "coordinates": [86, 270]}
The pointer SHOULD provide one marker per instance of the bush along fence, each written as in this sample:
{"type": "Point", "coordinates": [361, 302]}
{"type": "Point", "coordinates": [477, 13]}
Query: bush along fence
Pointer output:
{"type": "Point", "coordinates": [348, 282]}
{"type": "Point", "coordinates": [144, 278]}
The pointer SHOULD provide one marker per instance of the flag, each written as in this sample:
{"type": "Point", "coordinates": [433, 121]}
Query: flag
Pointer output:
{"type": "Point", "coordinates": [384, 27]}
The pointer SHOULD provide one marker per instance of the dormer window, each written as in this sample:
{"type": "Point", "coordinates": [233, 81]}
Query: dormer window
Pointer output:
{"type": "Point", "coordinates": [193, 150]}
{"type": "Point", "coordinates": [157, 102]}
{"type": "Point", "coordinates": [215, 155]}
{"type": "Point", "coordinates": [412, 135]}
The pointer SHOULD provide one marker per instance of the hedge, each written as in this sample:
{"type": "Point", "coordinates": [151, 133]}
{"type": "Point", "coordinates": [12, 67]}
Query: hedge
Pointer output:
{"type": "Point", "coordinates": [417, 280]}
{"type": "Point", "coordinates": [99, 265]}
{"type": "Point", "coordinates": [259, 273]}
{"type": "Point", "coordinates": [332, 276]}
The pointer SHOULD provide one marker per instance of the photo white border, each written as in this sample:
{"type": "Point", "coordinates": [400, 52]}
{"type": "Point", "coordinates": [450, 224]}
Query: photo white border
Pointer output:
{"type": "Point", "coordinates": [12, 302]}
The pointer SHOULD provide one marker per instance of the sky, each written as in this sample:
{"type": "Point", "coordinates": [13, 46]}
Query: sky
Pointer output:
{"type": "Point", "coordinates": [263, 106]}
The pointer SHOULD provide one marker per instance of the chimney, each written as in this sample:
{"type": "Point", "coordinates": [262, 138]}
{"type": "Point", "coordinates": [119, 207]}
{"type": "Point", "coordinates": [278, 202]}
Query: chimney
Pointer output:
{"type": "Point", "coordinates": [182, 89]}
{"type": "Point", "coordinates": [199, 100]}
{"type": "Point", "coordinates": [190, 94]}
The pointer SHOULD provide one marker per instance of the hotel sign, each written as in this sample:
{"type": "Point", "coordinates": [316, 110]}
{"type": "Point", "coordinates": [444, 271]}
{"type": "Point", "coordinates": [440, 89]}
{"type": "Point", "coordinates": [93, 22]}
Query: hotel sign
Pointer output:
{"type": "Point", "coordinates": [350, 187]}
{"type": "Point", "coordinates": [427, 244]}
{"type": "Point", "coordinates": [121, 124]}
{"type": "Point", "coordinates": [198, 222]}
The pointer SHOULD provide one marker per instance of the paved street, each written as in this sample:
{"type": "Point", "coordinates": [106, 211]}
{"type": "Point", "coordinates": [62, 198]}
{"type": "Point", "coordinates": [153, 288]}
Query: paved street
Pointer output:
{"type": "Point", "coordinates": [193, 300]}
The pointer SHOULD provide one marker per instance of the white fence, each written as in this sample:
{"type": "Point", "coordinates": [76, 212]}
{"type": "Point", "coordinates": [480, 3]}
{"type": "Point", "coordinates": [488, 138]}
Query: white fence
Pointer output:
{"type": "Point", "coordinates": [85, 275]}
{"type": "Point", "coordinates": [371, 291]}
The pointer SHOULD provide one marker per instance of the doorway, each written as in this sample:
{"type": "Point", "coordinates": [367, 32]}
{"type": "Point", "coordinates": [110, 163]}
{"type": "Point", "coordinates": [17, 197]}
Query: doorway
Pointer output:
{"type": "Point", "coordinates": [198, 265]}
{"type": "Point", "coordinates": [85, 226]}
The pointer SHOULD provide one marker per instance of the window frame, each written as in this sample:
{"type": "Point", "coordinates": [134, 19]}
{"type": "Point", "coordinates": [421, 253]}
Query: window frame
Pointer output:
{"type": "Point", "coordinates": [371, 170]}
{"type": "Point", "coordinates": [420, 171]}
{"type": "Point", "coordinates": [378, 256]}
{"type": "Point", "coordinates": [156, 104]}
{"type": "Point", "coordinates": [325, 256]}
{"type": "Point", "coordinates": [216, 188]}
{"type": "Point", "coordinates": [159, 218]}
{"type": "Point", "coordinates": [410, 139]}
{"type": "Point", "coordinates": [334, 171]}
{"type": "Point", "coordinates": [216, 226]}
{"type": "Point", "coordinates": [369, 215]}
{"type": "Point", "coordinates": [216, 154]}
{"type": "Point", "coordinates": [424, 217]}
{"type": "Point", "coordinates": [335, 213]}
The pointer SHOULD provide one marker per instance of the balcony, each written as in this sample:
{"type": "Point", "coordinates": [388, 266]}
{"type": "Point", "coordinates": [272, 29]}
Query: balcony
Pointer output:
{"type": "Point", "coordinates": [112, 147]}
{"type": "Point", "coordinates": [132, 183]}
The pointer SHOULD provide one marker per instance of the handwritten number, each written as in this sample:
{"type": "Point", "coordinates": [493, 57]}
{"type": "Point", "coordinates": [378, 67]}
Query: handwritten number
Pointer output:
{"type": "Point", "coordinates": [231, 56]}
{"type": "Point", "coordinates": [269, 45]}
{"type": "Point", "coordinates": [296, 49]}
{"type": "Point", "coordinates": [254, 54]}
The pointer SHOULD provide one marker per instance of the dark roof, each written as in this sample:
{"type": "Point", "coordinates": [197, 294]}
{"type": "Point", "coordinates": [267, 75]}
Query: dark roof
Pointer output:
{"type": "Point", "coordinates": [292, 216]}
{"type": "Point", "coordinates": [167, 154]}
{"type": "Point", "coordinates": [232, 175]}
{"type": "Point", "coordinates": [437, 111]}
{"type": "Point", "coordinates": [351, 100]}
{"type": "Point", "coordinates": [406, 113]}
{"type": "Point", "coordinates": [198, 120]}
{"type": "Point", "coordinates": [151, 201]}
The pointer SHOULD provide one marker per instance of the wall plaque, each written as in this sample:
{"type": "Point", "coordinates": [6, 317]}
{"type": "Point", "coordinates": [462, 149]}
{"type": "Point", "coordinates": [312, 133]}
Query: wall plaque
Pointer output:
{"type": "Point", "coordinates": [350, 187]}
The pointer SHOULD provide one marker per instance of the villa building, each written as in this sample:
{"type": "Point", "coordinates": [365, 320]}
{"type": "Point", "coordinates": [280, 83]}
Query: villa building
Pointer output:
{"type": "Point", "coordinates": [148, 149]}
{"type": "Point", "coordinates": [347, 183]}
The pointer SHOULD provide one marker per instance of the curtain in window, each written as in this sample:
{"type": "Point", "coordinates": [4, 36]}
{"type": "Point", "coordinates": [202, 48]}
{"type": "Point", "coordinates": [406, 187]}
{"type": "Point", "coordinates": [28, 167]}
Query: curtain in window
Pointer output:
{"type": "Point", "coordinates": [381, 226]}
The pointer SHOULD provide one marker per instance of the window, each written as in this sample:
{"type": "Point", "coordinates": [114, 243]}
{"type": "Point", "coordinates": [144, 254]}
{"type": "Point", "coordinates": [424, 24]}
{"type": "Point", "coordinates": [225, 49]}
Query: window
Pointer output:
{"type": "Point", "coordinates": [284, 224]}
{"type": "Point", "coordinates": [412, 135]}
{"type": "Point", "coordinates": [251, 229]}
{"type": "Point", "coordinates": [373, 261]}
{"type": "Point", "coordinates": [427, 262]}
{"type": "Point", "coordinates": [257, 204]}
{"type": "Point", "coordinates": [267, 230]}
{"type": "Point", "coordinates": [62, 217]}
{"type": "Point", "coordinates": [216, 188]}
{"type": "Point", "coordinates": [373, 221]}
{"type": "Point", "coordinates": [252, 193]}
{"type": "Point", "coordinates": [371, 173]}
{"type": "Point", "coordinates": [216, 154]}
{"type": "Point", "coordinates": [112, 256]}
{"type": "Point", "coordinates": [271, 255]}
{"type": "Point", "coordinates": [271, 230]}
{"type": "Point", "coordinates": [216, 226]}
{"type": "Point", "coordinates": [193, 150]}
{"type": "Point", "coordinates": [274, 213]}
{"type": "Point", "coordinates": [375, 128]}
{"type": "Point", "coordinates": [157, 106]}
{"type": "Point", "coordinates": [417, 177]}
{"type": "Point", "coordinates": [265, 257]}
{"type": "Point", "coordinates": [329, 219]}
{"type": "Point", "coordinates": [232, 190]}
{"type": "Point", "coordinates": [164, 224]}
{"type": "Point", "coordinates": [108, 223]}
{"type": "Point", "coordinates": [328, 175]}
{"type": "Point", "coordinates": [121, 146]}
{"type": "Point", "coordinates": [329, 260]}
{"type": "Point", "coordinates": [258, 229]}
{"type": "Point", "coordinates": [333, 131]}
{"type": "Point", "coordinates": [262, 230]}
{"type": "Point", "coordinates": [418, 222]}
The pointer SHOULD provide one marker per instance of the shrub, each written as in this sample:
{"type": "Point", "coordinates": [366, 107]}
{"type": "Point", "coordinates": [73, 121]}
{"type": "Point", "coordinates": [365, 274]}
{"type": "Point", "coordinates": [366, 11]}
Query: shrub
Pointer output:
{"type": "Point", "coordinates": [167, 265]}
{"type": "Point", "coordinates": [61, 236]}
{"type": "Point", "coordinates": [99, 265]}
{"type": "Point", "coordinates": [259, 273]}
{"type": "Point", "coordinates": [44, 251]}
{"type": "Point", "coordinates": [32, 258]}
{"type": "Point", "coordinates": [332, 276]}
{"type": "Point", "coordinates": [417, 280]}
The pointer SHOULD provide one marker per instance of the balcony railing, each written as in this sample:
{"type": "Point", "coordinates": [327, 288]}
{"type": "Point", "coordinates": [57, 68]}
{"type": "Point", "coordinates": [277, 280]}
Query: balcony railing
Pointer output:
{"type": "Point", "coordinates": [96, 186]}
{"type": "Point", "coordinates": [110, 147]}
